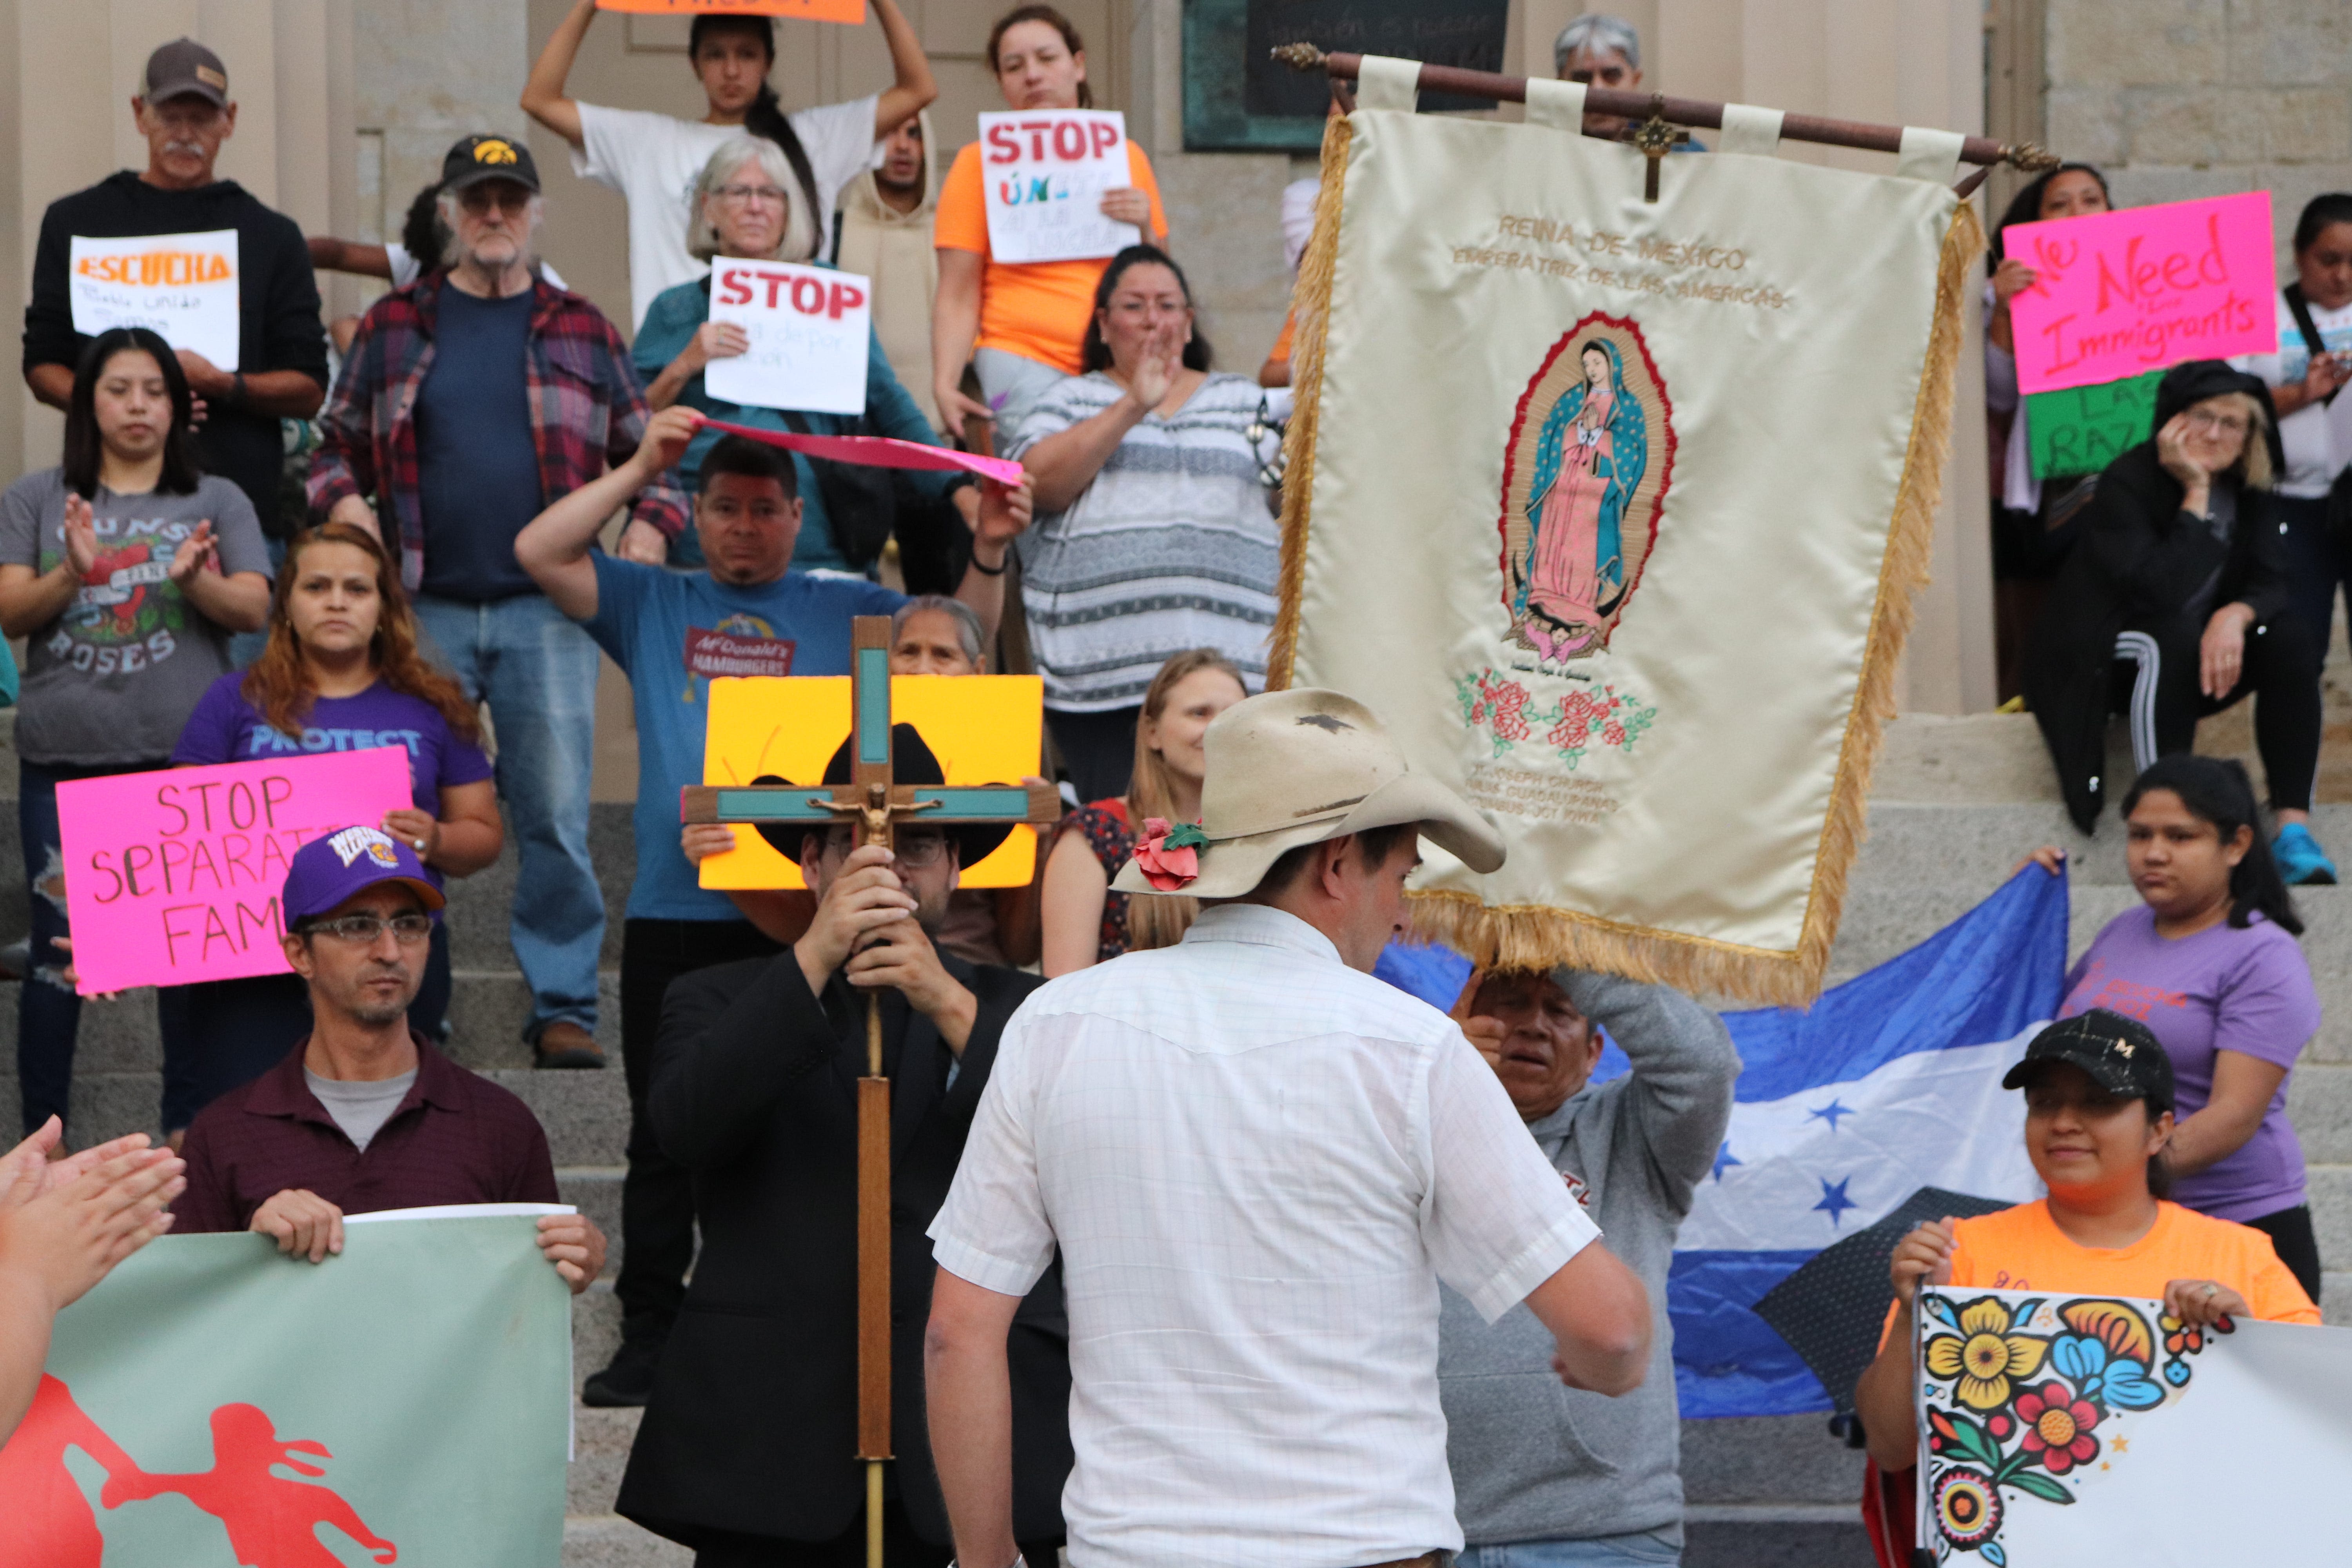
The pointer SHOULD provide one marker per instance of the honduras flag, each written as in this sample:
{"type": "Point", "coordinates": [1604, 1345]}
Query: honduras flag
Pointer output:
{"type": "Point", "coordinates": [1890, 1082]}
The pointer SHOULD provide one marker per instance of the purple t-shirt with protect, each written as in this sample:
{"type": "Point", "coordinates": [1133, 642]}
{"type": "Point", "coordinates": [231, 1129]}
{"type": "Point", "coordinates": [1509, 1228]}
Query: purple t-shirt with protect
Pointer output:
{"type": "Point", "coordinates": [2224, 989]}
{"type": "Point", "coordinates": [225, 728]}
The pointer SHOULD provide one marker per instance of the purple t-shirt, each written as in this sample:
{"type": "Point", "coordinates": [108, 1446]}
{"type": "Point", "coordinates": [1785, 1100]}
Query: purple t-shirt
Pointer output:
{"type": "Point", "coordinates": [2224, 989]}
{"type": "Point", "coordinates": [225, 728]}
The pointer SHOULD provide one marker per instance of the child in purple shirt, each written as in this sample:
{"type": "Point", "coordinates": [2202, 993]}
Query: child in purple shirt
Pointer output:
{"type": "Point", "coordinates": [2210, 963]}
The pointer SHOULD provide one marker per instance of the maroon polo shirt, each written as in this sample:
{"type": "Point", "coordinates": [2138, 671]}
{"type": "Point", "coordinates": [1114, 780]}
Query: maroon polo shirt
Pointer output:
{"type": "Point", "coordinates": [455, 1138]}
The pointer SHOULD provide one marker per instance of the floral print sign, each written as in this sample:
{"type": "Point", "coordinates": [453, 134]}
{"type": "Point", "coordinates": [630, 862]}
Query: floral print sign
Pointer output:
{"type": "Point", "coordinates": [2024, 1402]}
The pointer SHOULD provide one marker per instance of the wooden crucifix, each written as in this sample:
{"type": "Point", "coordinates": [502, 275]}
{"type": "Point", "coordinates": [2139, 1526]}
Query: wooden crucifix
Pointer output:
{"type": "Point", "coordinates": [875, 805]}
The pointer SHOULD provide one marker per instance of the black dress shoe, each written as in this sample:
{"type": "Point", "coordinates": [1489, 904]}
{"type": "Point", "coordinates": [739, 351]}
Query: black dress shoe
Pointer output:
{"type": "Point", "coordinates": [625, 1385]}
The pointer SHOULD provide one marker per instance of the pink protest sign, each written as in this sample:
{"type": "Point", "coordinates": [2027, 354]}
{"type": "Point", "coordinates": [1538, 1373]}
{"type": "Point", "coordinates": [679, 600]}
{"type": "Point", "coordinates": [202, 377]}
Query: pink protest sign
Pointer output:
{"type": "Point", "coordinates": [2119, 294]}
{"type": "Point", "coordinates": [881, 452]}
{"type": "Point", "coordinates": [172, 876]}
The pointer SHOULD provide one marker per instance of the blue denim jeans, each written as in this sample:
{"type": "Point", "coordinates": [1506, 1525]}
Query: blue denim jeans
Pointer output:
{"type": "Point", "coordinates": [1651, 1547]}
{"type": "Point", "coordinates": [536, 670]}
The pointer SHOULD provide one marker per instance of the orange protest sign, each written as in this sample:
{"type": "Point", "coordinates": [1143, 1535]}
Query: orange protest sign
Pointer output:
{"type": "Point", "coordinates": [983, 729]}
{"type": "Point", "coordinates": [850, 11]}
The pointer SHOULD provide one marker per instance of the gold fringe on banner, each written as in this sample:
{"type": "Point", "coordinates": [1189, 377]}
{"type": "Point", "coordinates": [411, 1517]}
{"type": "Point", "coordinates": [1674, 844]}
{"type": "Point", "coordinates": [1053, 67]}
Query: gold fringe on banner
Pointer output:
{"type": "Point", "coordinates": [1534, 936]}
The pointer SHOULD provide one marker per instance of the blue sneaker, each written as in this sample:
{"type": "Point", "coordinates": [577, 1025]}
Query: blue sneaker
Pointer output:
{"type": "Point", "coordinates": [2301, 863]}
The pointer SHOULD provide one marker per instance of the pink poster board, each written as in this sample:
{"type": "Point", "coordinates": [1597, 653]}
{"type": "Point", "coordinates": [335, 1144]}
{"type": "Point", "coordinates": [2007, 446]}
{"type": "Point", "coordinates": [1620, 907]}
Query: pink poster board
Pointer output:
{"type": "Point", "coordinates": [881, 452]}
{"type": "Point", "coordinates": [2119, 294]}
{"type": "Point", "coordinates": [172, 876]}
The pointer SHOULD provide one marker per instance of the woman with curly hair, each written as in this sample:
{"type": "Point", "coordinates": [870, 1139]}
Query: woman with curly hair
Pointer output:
{"type": "Point", "coordinates": [341, 672]}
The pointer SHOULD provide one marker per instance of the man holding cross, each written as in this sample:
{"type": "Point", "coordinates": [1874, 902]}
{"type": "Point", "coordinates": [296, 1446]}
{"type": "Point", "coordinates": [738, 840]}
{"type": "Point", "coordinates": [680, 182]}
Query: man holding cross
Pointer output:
{"type": "Point", "coordinates": [752, 1092]}
{"type": "Point", "coordinates": [744, 613]}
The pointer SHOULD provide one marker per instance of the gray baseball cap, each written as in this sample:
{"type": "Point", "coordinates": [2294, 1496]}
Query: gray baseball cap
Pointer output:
{"type": "Point", "coordinates": [184, 68]}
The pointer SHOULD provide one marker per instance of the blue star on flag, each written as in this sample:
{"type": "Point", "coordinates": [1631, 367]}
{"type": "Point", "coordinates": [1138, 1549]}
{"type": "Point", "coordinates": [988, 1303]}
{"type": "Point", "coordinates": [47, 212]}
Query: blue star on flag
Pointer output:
{"type": "Point", "coordinates": [1724, 1157]}
{"type": "Point", "coordinates": [1833, 1198]}
{"type": "Point", "coordinates": [1830, 1112]}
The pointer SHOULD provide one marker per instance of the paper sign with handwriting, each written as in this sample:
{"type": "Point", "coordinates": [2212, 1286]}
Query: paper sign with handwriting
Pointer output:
{"type": "Point", "coordinates": [2119, 294]}
{"type": "Point", "coordinates": [850, 11]}
{"type": "Point", "coordinates": [184, 287]}
{"type": "Point", "coordinates": [2082, 429]}
{"type": "Point", "coordinates": [174, 877]}
{"type": "Point", "coordinates": [809, 329]}
{"type": "Point", "coordinates": [1044, 173]}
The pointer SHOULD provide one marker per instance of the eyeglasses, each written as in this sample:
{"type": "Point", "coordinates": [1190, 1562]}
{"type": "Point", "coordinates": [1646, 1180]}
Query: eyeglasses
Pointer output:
{"type": "Point", "coordinates": [745, 196]}
{"type": "Point", "coordinates": [915, 849]}
{"type": "Point", "coordinates": [365, 931]}
{"type": "Point", "coordinates": [2219, 424]}
{"type": "Point", "coordinates": [481, 198]}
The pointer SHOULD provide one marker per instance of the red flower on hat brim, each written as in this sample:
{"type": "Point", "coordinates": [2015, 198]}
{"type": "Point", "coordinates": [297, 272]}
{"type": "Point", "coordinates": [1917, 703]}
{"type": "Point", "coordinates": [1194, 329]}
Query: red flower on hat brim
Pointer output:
{"type": "Point", "coordinates": [1169, 857]}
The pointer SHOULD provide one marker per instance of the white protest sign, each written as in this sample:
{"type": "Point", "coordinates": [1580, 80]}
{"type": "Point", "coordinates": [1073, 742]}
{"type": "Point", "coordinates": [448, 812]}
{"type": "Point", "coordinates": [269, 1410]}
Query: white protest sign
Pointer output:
{"type": "Point", "coordinates": [809, 328]}
{"type": "Point", "coordinates": [183, 287]}
{"type": "Point", "coordinates": [1044, 172]}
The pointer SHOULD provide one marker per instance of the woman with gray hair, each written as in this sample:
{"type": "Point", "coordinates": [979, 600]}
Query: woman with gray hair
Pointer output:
{"type": "Point", "coordinates": [743, 206]}
{"type": "Point", "coordinates": [1604, 52]}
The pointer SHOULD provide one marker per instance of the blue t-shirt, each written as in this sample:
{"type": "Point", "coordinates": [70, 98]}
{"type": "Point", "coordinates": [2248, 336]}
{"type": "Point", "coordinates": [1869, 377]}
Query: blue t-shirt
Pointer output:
{"type": "Point", "coordinates": [477, 471]}
{"type": "Point", "coordinates": [670, 632]}
{"type": "Point", "coordinates": [225, 728]}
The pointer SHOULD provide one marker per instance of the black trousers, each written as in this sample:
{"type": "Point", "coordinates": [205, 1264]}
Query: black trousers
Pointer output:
{"type": "Point", "coordinates": [2297, 1248]}
{"type": "Point", "coordinates": [901, 1548]}
{"type": "Point", "coordinates": [657, 1195]}
{"type": "Point", "coordinates": [1097, 750]}
{"type": "Point", "coordinates": [2280, 673]}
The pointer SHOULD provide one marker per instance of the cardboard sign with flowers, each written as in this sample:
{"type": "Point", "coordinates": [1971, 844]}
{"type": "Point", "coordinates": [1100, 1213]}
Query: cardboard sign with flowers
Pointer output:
{"type": "Point", "coordinates": [2057, 1428]}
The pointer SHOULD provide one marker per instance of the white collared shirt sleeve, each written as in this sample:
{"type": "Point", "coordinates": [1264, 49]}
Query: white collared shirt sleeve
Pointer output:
{"type": "Point", "coordinates": [1499, 1221]}
{"type": "Point", "coordinates": [992, 1231]}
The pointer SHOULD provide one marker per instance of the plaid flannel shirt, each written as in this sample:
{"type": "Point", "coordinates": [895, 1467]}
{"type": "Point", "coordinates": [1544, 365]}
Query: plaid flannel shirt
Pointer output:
{"type": "Point", "coordinates": [587, 410]}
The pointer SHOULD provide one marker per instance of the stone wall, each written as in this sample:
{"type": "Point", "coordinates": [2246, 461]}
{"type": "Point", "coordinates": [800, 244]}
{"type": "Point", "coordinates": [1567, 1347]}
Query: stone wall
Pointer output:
{"type": "Point", "coordinates": [2176, 99]}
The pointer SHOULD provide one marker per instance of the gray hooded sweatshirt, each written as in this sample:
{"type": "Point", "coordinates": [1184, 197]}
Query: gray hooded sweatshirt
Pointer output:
{"type": "Point", "coordinates": [1534, 1460]}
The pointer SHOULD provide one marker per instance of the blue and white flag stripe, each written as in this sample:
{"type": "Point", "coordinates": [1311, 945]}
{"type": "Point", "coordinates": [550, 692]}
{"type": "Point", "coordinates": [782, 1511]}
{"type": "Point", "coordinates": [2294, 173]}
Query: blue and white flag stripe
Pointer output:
{"type": "Point", "coordinates": [1889, 1083]}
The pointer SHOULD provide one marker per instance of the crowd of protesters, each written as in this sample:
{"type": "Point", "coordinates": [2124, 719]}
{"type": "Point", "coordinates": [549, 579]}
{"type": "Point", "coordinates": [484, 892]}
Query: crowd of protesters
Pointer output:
{"type": "Point", "coordinates": [449, 582]}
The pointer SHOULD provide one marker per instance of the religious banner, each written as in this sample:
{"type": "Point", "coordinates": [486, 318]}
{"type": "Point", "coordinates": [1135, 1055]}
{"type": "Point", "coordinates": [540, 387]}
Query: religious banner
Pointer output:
{"type": "Point", "coordinates": [1612, 508]}
{"type": "Point", "coordinates": [2117, 294]}
{"type": "Point", "coordinates": [2058, 1429]}
{"type": "Point", "coordinates": [214, 1402]}
{"type": "Point", "coordinates": [1045, 171]}
{"type": "Point", "coordinates": [983, 729]}
{"type": "Point", "coordinates": [182, 287]}
{"type": "Point", "coordinates": [172, 876]}
{"type": "Point", "coordinates": [809, 328]}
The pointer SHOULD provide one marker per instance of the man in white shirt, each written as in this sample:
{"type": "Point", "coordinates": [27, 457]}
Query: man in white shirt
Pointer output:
{"type": "Point", "coordinates": [1257, 1162]}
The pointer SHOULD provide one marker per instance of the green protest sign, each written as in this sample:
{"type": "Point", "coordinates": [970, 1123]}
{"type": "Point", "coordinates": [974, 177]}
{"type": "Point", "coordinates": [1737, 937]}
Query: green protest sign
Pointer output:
{"type": "Point", "coordinates": [419, 1385]}
{"type": "Point", "coordinates": [2082, 429]}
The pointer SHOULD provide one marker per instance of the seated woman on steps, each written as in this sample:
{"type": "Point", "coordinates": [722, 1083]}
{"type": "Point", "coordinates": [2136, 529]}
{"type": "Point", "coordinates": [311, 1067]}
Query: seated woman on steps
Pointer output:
{"type": "Point", "coordinates": [2213, 941]}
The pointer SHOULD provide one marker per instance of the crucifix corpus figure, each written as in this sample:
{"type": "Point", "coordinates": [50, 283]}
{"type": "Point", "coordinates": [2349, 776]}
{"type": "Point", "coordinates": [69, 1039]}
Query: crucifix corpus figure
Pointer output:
{"type": "Point", "coordinates": [876, 804]}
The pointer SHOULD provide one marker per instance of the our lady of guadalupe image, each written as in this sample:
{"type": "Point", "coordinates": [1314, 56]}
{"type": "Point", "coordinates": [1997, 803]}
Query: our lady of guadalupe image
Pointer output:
{"type": "Point", "coordinates": [1574, 544]}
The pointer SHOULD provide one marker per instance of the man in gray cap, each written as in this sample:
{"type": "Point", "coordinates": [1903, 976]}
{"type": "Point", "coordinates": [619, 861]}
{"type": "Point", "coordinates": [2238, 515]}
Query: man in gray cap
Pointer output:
{"type": "Point", "coordinates": [184, 113]}
{"type": "Point", "coordinates": [1257, 1162]}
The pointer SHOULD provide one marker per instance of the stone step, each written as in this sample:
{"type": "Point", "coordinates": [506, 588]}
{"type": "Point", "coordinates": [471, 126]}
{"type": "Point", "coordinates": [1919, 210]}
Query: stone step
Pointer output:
{"type": "Point", "coordinates": [1774, 1535]}
{"type": "Point", "coordinates": [608, 1541]}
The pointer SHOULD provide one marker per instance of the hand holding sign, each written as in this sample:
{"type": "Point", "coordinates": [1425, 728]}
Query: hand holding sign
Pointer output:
{"type": "Point", "coordinates": [806, 332]}
{"type": "Point", "coordinates": [1057, 186]}
{"type": "Point", "coordinates": [180, 286]}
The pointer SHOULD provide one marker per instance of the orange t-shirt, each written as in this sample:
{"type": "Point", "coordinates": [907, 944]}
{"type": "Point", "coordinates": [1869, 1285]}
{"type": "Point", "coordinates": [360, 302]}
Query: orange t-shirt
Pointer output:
{"type": "Point", "coordinates": [1289, 329]}
{"type": "Point", "coordinates": [2023, 1249]}
{"type": "Point", "coordinates": [1038, 310]}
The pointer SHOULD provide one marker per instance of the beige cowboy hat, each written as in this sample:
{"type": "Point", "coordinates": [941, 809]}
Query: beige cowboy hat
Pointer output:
{"type": "Point", "coordinates": [1301, 766]}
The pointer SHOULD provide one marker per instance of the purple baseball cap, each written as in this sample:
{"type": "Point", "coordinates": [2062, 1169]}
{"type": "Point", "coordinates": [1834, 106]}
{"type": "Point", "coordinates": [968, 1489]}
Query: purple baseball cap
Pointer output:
{"type": "Point", "coordinates": [331, 869]}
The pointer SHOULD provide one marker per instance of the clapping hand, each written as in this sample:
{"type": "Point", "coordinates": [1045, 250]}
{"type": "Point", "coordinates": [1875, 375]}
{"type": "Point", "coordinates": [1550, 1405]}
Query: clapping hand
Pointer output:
{"type": "Point", "coordinates": [80, 537]}
{"type": "Point", "coordinates": [1162, 362]}
{"type": "Point", "coordinates": [199, 550]}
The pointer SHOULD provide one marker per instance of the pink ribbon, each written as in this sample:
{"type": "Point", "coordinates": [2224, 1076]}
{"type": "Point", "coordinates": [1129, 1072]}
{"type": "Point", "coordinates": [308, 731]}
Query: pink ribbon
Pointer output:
{"type": "Point", "coordinates": [881, 452]}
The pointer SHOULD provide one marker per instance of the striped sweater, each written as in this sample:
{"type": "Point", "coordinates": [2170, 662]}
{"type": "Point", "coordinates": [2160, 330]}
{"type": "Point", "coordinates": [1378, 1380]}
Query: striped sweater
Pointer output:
{"type": "Point", "coordinates": [1173, 546]}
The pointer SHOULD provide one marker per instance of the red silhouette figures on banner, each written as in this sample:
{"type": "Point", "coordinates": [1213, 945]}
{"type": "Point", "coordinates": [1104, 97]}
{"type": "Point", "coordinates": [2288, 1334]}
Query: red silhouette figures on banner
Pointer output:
{"type": "Point", "coordinates": [272, 1522]}
{"type": "Point", "coordinates": [49, 1522]}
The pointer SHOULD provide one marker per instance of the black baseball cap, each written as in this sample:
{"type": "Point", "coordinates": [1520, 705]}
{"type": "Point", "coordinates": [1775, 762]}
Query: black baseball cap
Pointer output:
{"type": "Point", "coordinates": [479, 158]}
{"type": "Point", "coordinates": [184, 68]}
{"type": "Point", "coordinates": [2121, 1055]}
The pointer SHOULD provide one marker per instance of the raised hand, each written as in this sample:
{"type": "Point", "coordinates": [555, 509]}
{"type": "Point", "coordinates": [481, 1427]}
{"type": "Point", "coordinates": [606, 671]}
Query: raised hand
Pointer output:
{"type": "Point", "coordinates": [1004, 510]}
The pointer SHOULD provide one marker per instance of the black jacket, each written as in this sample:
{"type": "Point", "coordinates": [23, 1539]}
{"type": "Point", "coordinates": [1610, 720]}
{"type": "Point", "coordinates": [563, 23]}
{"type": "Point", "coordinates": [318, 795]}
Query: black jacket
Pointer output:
{"type": "Point", "coordinates": [277, 307]}
{"type": "Point", "coordinates": [753, 1425]}
{"type": "Point", "coordinates": [2139, 562]}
